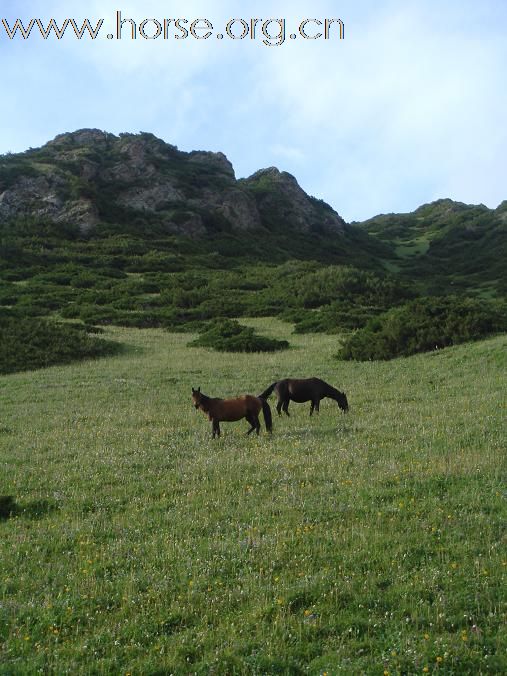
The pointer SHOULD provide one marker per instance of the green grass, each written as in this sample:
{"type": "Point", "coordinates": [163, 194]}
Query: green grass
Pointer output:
{"type": "Point", "coordinates": [370, 542]}
{"type": "Point", "coordinates": [416, 247]}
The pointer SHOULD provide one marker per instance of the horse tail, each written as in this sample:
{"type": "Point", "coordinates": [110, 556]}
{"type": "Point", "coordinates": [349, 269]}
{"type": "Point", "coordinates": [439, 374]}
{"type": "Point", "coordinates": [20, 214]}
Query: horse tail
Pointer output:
{"type": "Point", "coordinates": [267, 392]}
{"type": "Point", "coordinates": [268, 419]}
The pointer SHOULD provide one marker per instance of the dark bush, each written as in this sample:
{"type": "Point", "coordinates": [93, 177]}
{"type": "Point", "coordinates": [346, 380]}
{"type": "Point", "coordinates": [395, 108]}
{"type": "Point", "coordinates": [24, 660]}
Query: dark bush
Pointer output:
{"type": "Point", "coordinates": [227, 335]}
{"type": "Point", "coordinates": [333, 318]}
{"type": "Point", "coordinates": [29, 344]}
{"type": "Point", "coordinates": [423, 325]}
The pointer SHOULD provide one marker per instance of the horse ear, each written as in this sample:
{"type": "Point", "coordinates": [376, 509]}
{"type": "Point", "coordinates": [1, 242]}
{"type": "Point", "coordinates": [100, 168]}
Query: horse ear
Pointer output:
{"type": "Point", "coordinates": [193, 391]}
{"type": "Point", "coordinates": [199, 388]}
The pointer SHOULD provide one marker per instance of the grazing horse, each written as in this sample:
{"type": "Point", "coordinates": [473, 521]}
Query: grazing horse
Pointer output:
{"type": "Point", "coordinates": [230, 410]}
{"type": "Point", "coordinates": [300, 390]}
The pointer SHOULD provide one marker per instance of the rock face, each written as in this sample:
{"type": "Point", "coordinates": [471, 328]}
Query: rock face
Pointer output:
{"type": "Point", "coordinates": [89, 177]}
{"type": "Point", "coordinates": [280, 199]}
{"type": "Point", "coordinates": [43, 197]}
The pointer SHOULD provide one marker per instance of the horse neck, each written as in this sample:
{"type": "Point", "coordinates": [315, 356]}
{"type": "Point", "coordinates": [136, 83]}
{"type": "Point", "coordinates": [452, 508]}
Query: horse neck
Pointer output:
{"type": "Point", "coordinates": [331, 392]}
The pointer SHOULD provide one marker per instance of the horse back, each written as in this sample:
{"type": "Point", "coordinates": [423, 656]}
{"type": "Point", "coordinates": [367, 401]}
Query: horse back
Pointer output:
{"type": "Point", "coordinates": [303, 389]}
{"type": "Point", "coordinates": [231, 410]}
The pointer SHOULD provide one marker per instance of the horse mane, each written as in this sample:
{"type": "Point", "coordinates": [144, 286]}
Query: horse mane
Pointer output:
{"type": "Point", "coordinates": [332, 389]}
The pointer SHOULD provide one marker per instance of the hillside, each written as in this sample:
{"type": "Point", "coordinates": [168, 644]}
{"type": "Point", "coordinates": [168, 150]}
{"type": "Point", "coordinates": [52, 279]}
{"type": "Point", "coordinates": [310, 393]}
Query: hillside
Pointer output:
{"type": "Point", "coordinates": [91, 185]}
{"type": "Point", "coordinates": [447, 243]}
{"type": "Point", "coordinates": [129, 230]}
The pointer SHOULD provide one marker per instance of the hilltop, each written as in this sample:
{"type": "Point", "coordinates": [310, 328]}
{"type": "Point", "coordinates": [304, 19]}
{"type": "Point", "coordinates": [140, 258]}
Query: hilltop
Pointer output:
{"type": "Point", "coordinates": [90, 177]}
{"type": "Point", "coordinates": [447, 243]}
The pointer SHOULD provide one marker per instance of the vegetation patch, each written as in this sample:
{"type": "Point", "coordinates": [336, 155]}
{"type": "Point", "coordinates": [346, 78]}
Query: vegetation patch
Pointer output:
{"type": "Point", "coordinates": [423, 325]}
{"type": "Point", "coordinates": [147, 280]}
{"type": "Point", "coordinates": [226, 335]}
{"type": "Point", "coordinates": [29, 344]}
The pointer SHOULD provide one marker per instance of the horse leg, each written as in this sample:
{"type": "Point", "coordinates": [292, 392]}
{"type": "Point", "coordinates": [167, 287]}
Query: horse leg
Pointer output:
{"type": "Point", "coordinates": [251, 418]}
{"type": "Point", "coordinates": [257, 424]}
{"type": "Point", "coordinates": [317, 405]}
{"type": "Point", "coordinates": [216, 428]}
{"type": "Point", "coordinates": [286, 406]}
{"type": "Point", "coordinates": [312, 406]}
{"type": "Point", "coordinates": [279, 405]}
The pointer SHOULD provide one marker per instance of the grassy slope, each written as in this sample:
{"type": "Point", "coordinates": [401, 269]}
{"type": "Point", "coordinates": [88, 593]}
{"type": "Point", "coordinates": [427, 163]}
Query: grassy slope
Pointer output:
{"type": "Point", "coordinates": [361, 543]}
{"type": "Point", "coordinates": [446, 245]}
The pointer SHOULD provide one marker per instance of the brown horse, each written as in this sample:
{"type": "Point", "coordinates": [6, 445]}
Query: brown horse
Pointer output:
{"type": "Point", "coordinates": [230, 410]}
{"type": "Point", "coordinates": [301, 390]}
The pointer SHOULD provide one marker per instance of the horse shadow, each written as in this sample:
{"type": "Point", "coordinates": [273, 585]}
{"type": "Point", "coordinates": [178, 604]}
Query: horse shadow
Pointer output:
{"type": "Point", "coordinates": [33, 509]}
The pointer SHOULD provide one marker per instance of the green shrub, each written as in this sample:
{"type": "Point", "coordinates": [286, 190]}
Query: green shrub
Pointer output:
{"type": "Point", "coordinates": [423, 325]}
{"type": "Point", "coordinates": [332, 318]}
{"type": "Point", "coordinates": [227, 335]}
{"type": "Point", "coordinates": [29, 344]}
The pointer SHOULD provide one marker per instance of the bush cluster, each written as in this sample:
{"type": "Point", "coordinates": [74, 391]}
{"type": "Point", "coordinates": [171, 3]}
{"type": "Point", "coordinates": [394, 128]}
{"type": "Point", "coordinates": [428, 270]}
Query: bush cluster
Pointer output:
{"type": "Point", "coordinates": [227, 335]}
{"type": "Point", "coordinates": [35, 343]}
{"type": "Point", "coordinates": [95, 282]}
{"type": "Point", "coordinates": [423, 325]}
{"type": "Point", "coordinates": [138, 275]}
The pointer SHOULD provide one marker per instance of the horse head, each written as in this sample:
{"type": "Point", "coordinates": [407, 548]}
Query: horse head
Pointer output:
{"type": "Point", "coordinates": [341, 399]}
{"type": "Point", "coordinates": [196, 397]}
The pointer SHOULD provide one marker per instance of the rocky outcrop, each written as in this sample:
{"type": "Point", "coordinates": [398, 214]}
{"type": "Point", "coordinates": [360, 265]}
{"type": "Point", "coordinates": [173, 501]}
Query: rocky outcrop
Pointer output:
{"type": "Point", "coordinates": [89, 176]}
{"type": "Point", "coordinates": [216, 160]}
{"type": "Point", "coordinates": [281, 201]}
{"type": "Point", "coordinates": [240, 209]}
{"type": "Point", "coordinates": [42, 197]}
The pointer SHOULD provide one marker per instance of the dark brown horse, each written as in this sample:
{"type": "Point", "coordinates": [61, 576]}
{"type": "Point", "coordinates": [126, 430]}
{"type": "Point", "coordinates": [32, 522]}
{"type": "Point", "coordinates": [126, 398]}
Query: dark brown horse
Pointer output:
{"type": "Point", "coordinates": [230, 410]}
{"type": "Point", "coordinates": [301, 390]}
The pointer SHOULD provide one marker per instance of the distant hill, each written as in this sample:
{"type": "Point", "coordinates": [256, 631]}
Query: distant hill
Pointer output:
{"type": "Point", "coordinates": [447, 243]}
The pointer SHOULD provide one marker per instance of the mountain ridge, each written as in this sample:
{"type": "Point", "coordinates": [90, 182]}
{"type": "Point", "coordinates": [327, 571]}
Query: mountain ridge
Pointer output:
{"type": "Point", "coordinates": [97, 184]}
{"type": "Point", "coordinates": [446, 238]}
{"type": "Point", "coordinates": [190, 193]}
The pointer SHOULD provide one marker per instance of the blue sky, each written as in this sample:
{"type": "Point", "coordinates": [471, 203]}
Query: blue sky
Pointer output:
{"type": "Point", "coordinates": [410, 107]}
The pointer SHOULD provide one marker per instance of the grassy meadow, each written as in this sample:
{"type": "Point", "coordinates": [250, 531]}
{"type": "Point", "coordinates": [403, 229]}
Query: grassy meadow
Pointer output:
{"type": "Point", "coordinates": [372, 542]}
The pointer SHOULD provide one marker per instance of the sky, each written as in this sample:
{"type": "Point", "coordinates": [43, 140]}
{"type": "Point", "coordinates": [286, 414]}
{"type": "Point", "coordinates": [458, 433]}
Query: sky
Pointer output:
{"type": "Point", "coordinates": [409, 107]}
